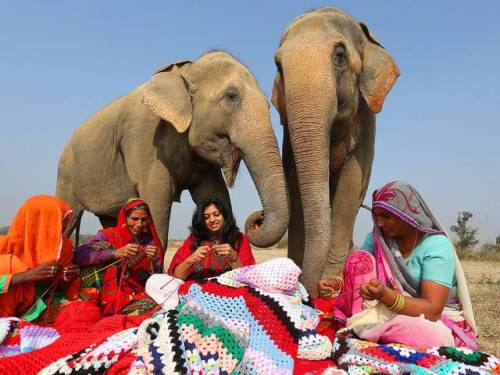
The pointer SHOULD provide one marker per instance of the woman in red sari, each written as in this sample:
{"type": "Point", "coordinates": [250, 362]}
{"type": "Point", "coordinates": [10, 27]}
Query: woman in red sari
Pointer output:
{"type": "Point", "coordinates": [215, 245]}
{"type": "Point", "coordinates": [119, 260]}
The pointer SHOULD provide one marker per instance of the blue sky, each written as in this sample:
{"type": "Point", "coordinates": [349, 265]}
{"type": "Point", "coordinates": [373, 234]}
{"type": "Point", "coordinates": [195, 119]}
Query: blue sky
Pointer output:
{"type": "Point", "coordinates": [439, 128]}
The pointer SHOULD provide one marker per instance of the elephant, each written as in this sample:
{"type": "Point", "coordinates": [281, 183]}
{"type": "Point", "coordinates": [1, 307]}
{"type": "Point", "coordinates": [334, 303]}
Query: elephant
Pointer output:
{"type": "Point", "coordinates": [332, 77]}
{"type": "Point", "coordinates": [176, 132]}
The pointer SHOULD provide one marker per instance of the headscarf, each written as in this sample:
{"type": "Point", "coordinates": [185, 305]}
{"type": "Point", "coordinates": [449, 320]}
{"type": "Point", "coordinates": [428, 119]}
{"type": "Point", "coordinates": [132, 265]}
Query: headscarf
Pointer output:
{"type": "Point", "coordinates": [35, 234]}
{"type": "Point", "coordinates": [402, 200]}
{"type": "Point", "coordinates": [120, 235]}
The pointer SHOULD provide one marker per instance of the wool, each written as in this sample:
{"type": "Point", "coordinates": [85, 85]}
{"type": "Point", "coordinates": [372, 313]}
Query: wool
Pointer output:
{"type": "Point", "coordinates": [356, 356]}
{"type": "Point", "coordinates": [20, 336]}
{"type": "Point", "coordinates": [97, 357]}
{"type": "Point", "coordinates": [252, 320]}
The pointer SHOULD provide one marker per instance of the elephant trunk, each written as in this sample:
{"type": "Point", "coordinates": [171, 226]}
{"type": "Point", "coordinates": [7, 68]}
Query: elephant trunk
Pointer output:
{"type": "Point", "coordinates": [261, 155]}
{"type": "Point", "coordinates": [310, 111]}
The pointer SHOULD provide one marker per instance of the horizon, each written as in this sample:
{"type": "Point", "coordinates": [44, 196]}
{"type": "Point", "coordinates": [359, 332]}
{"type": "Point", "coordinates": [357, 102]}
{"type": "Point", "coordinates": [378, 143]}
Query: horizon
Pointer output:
{"type": "Point", "coordinates": [438, 130]}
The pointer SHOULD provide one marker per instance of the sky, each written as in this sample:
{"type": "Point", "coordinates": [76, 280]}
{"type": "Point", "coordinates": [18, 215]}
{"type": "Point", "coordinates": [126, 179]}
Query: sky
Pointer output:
{"type": "Point", "coordinates": [439, 129]}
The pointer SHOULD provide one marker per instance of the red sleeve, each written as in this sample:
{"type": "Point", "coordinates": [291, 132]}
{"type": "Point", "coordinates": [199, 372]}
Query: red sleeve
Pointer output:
{"type": "Point", "coordinates": [245, 252]}
{"type": "Point", "coordinates": [181, 254]}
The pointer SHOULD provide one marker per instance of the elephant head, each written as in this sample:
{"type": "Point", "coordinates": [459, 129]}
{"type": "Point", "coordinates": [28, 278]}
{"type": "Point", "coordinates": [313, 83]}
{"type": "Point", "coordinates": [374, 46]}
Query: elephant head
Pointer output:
{"type": "Point", "coordinates": [329, 69]}
{"type": "Point", "coordinates": [218, 102]}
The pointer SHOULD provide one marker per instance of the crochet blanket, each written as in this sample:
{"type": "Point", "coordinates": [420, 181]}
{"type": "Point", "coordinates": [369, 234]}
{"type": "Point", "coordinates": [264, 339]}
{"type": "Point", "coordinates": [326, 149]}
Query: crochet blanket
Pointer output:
{"type": "Point", "coordinates": [247, 321]}
{"type": "Point", "coordinates": [20, 336]}
{"type": "Point", "coordinates": [356, 356]}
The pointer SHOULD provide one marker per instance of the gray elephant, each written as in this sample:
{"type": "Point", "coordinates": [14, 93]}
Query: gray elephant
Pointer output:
{"type": "Point", "coordinates": [332, 77]}
{"type": "Point", "coordinates": [173, 133]}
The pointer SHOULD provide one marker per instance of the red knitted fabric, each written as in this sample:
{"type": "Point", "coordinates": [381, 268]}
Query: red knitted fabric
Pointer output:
{"type": "Point", "coordinates": [122, 367]}
{"type": "Point", "coordinates": [79, 332]}
{"type": "Point", "coordinates": [303, 366]}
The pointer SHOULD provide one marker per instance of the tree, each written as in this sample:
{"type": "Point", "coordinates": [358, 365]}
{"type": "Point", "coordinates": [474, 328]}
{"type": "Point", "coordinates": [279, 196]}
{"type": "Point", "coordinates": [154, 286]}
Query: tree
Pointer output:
{"type": "Point", "coordinates": [4, 230]}
{"type": "Point", "coordinates": [465, 232]}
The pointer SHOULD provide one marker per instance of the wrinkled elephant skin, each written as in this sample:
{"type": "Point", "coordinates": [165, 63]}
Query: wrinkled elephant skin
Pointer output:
{"type": "Point", "coordinates": [173, 133]}
{"type": "Point", "coordinates": [332, 77]}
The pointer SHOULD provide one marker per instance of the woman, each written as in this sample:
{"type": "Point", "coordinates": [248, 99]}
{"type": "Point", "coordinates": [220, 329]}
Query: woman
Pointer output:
{"type": "Point", "coordinates": [407, 271]}
{"type": "Point", "coordinates": [36, 260]}
{"type": "Point", "coordinates": [119, 260]}
{"type": "Point", "coordinates": [214, 246]}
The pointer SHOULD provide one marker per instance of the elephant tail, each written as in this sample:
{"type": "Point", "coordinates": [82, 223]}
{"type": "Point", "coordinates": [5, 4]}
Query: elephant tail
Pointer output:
{"type": "Point", "coordinates": [75, 224]}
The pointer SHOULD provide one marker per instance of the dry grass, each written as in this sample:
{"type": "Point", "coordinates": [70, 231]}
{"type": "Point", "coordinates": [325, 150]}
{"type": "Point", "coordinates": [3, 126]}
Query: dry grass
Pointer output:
{"type": "Point", "coordinates": [484, 287]}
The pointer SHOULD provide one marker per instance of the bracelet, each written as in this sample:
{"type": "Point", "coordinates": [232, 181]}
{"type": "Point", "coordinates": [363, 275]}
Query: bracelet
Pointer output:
{"type": "Point", "coordinates": [398, 304]}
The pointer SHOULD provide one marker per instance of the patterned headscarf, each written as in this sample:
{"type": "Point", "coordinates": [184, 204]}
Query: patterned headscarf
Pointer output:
{"type": "Point", "coordinates": [403, 200]}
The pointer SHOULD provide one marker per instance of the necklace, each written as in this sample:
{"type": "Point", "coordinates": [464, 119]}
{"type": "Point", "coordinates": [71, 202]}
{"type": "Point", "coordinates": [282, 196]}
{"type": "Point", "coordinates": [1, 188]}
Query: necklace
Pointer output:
{"type": "Point", "coordinates": [406, 255]}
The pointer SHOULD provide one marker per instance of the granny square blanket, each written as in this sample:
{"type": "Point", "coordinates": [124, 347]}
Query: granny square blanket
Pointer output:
{"type": "Point", "coordinates": [356, 356]}
{"type": "Point", "coordinates": [248, 321]}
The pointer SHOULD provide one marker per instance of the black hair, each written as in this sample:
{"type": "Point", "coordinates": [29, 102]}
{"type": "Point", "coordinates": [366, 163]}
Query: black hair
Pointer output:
{"type": "Point", "coordinates": [137, 207]}
{"type": "Point", "coordinates": [229, 233]}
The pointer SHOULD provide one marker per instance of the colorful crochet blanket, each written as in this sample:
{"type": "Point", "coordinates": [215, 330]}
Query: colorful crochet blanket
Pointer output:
{"type": "Point", "coordinates": [356, 356]}
{"type": "Point", "coordinates": [20, 336]}
{"type": "Point", "coordinates": [247, 321]}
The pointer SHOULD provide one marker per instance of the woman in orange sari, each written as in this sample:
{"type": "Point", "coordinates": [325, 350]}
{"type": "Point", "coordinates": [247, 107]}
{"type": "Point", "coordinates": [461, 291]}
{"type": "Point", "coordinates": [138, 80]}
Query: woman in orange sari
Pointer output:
{"type": "Point", "coordinates": [36, 259]}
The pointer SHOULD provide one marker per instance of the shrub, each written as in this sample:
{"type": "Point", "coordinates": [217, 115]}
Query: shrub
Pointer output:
{"type": "Point", "coordinates": [466, 233]}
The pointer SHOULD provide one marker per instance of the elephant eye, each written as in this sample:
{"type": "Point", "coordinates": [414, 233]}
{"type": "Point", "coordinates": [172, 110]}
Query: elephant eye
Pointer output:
{"type": "Point", "coordinates": [340, 57]}
{"type": "Point", "coordinates": [231, 96]}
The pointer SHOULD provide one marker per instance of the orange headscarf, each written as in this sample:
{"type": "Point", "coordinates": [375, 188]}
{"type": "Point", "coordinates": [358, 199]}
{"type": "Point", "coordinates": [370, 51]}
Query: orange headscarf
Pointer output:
{"type": "Point", "coordinates": [35, 234]}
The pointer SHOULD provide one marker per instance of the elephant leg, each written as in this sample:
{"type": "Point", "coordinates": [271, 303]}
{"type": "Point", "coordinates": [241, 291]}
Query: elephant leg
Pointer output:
{"type": "Point", "coordinates": [107, 221]}
{"type": "Point", "coordinates": [157, 191]}
{"type": "Point", "coordinates": [213, 184]}
{"type": "Point", "coordinates": [296, 223]}
{"type": "Point", "coordinates": [347, 194]}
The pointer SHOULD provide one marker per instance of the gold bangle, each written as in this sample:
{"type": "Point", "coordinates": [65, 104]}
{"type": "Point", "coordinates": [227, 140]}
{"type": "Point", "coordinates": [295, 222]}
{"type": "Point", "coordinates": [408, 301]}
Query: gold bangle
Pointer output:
{"type": "Point", "coordinates": [401, 303]}
{"type": "Point", "coordinates": [394, 302]}
{"type": "Point", "coordinates": [398, 304]}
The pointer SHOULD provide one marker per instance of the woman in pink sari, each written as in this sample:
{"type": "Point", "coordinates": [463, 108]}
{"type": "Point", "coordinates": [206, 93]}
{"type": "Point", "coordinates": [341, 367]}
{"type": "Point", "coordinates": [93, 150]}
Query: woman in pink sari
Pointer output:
{"type": "Point", "coordinates": [407, 284]}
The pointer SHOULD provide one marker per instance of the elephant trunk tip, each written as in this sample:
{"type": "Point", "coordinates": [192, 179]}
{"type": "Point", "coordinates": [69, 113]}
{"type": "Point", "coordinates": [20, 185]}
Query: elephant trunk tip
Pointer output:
{"type": "Point", "coordinates": [258, 231]}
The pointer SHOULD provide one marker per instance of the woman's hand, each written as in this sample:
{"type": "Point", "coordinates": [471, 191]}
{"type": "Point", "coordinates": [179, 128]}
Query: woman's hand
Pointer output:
{"type": "Point", "coordinates": [226, 251]}
{"type": "Point", "coordinates": [325, 290]}
{"type": "Point", "coordinates": [43, 272]}
{"type": "Point", "coordinates": [70, 273]}
{"type": "Point", "coordinates": [198, 255]}
{"type": "Point", "coordinates": [152, 252]}
{"type": "Point", "coordinates": [373, 290]}
{"type": "Point", "coordinates": [329, 287]}
{"type": "Point", "coordinates": [127, 251]}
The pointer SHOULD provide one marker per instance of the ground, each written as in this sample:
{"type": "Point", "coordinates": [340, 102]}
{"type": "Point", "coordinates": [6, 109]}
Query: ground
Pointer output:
{"type": "Point", "coordinates": [484, 286]}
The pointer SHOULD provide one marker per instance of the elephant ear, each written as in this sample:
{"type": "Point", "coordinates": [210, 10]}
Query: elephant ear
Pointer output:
{"type": "Point", "coordinates": [379, 72]}
{"type": "Point", "coordinates": [166, 94]}
{"type": "Point", "coordinates": [278, 98]}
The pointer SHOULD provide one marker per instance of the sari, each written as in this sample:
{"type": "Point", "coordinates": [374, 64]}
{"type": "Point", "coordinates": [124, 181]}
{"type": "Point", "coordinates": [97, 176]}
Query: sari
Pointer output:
{"type": "Point", "coordinates": [35, 237]}
{"type": "Point", "coordinates": [390, 267]}
{"type": "Point", "coordinates": [121, 283]}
